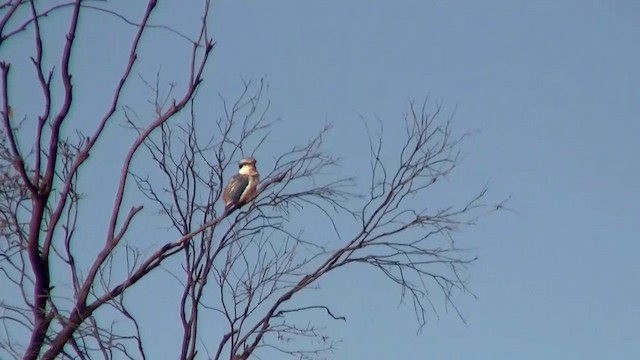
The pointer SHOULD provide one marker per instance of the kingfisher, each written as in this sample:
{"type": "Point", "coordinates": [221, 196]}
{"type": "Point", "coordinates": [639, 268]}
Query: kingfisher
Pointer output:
{"type": "Point", "coordinates": [242, 186]}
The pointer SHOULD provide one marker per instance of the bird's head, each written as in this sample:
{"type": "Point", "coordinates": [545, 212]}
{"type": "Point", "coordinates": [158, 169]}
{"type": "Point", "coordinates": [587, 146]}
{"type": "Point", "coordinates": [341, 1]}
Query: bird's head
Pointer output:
{"type": "Point", "coordinates": [248, 166]}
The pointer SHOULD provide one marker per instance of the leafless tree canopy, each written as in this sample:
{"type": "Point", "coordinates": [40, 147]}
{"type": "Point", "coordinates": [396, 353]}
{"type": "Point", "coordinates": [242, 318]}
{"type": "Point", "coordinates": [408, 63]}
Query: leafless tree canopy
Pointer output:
{"type": "Point", "coordinates": [241, 272]}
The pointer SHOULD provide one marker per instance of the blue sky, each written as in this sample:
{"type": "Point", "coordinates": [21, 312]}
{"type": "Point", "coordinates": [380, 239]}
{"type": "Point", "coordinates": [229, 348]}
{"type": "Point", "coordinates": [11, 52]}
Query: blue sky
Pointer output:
{"type": "Point", "coordinates": [550, 90]}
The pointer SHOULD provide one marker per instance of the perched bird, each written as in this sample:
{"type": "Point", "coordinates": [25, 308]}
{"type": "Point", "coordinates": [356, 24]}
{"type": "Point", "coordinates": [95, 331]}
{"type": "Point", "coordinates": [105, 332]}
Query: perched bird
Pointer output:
{"type": "Point", "coordinates": [242, 186]}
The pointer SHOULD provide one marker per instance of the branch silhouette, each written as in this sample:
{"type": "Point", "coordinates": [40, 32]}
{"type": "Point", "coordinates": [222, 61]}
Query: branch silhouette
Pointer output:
{"type": "Point", "coordinates": [70, 293]}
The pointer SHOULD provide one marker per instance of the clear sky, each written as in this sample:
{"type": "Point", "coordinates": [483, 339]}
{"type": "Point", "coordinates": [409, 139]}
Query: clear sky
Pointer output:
{"type": "Point", "coordinates": [551, 91]}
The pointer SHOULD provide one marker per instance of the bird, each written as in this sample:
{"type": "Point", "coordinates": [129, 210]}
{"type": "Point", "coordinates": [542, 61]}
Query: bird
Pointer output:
{"type": "Point", "coordinates": [242, 186]}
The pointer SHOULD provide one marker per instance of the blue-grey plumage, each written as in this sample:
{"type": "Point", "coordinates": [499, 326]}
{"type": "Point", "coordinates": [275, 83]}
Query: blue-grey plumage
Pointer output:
{"type": "Point", "coordinates": [242, 186]}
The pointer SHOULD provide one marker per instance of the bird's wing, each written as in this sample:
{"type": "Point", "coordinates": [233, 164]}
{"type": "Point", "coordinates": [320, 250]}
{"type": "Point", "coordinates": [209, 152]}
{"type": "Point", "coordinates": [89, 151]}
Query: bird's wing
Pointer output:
{"type": "Point", "coordinates": [234, 190]}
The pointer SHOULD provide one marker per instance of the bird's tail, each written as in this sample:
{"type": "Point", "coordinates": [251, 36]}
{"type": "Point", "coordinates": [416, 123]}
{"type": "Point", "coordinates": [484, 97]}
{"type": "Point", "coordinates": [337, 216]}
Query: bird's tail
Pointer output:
{"type": "Point", "coordinates": [228, 209]}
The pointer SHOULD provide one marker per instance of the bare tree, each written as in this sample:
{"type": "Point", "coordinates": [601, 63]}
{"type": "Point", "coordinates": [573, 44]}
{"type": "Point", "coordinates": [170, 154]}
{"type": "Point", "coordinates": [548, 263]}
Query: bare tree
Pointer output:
{"type": "Point", "coordinates": [241, 271]}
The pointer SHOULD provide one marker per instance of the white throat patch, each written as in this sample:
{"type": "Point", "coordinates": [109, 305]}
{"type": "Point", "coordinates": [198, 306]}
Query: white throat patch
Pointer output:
{"type": "Point", "coordinates": [247, 170]}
